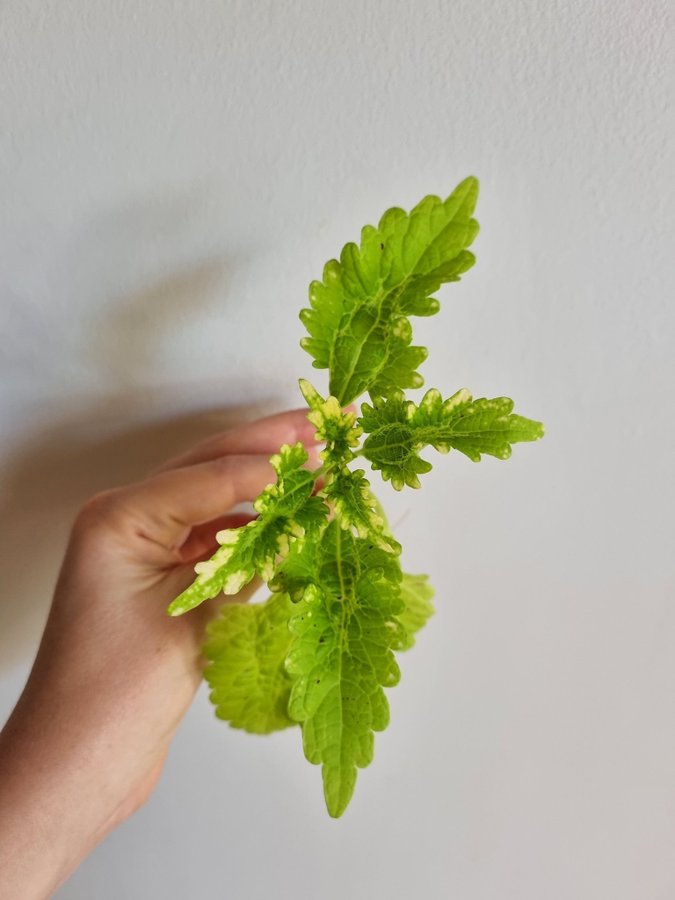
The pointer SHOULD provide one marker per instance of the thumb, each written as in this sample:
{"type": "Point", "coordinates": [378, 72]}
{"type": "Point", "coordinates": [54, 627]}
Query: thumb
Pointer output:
{"type": "Point", "coordinates": [163, 509]}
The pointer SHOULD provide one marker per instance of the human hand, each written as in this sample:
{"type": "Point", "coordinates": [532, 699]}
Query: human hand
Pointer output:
{"type": "Point", "coordinates": [115, 675]}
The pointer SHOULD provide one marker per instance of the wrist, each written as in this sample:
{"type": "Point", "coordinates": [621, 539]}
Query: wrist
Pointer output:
{"type": "Point", "coordinates": [55, 801]}
{"type": "Point", "coordinates": [37, 850]}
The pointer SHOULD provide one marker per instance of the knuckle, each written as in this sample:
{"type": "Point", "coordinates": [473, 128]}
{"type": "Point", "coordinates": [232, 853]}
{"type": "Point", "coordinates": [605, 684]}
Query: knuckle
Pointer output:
{"type": "Point", "coordinates": [98, 511]}
{"type": "Point", "coordinates": [223, 465]}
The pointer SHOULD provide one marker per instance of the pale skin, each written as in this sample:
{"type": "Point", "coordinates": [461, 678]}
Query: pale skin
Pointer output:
{"type": "Point", "coordinates": [114, 674]}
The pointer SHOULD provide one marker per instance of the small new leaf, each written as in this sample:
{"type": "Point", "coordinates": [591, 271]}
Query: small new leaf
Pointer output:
{"type": "Point", "coordinates": [298, 569]}
{"type": "Point", "coordinates": [246, 650]}
{"type": "Point", "coordinates": [286, 510]}
{"type": "Point", "coordinates": [334, 427]}
{"type": "Point", "coordinates": [358, 320]}
{"type": "Point", "coordinates": [356, 507]}
{"type": "Point", "coordinates": [398, 429]}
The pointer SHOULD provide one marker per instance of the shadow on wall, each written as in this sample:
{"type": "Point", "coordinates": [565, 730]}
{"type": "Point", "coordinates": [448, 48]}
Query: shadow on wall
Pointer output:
{"type": "Point", "coordinates": [48, 478]}
{"type": "Point", "coordinates": [87, 446]}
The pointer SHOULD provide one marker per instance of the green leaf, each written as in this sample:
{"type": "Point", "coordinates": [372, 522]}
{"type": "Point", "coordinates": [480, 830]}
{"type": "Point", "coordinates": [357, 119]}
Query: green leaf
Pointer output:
{"type": "Point", "coordinates": [398, 429]}
{"type": "Point", "coordinates": [358, 319]}
{"type": "Point", "coordinates": [246, 651]}
{"type": "Point", "coordinates": [286, 510]}
{"type": "Point", "coordinates": [334, 427]}
{"type": "Point", "coordinates": [341, 657]}
{"type": "Point", "coordinates": [297, 570]}
{"type": "Point", "coordinates": [416, 593]}
{"type": "Point", "coordinates": [356, 507]}
{"type": "Point", "coordinates": [354, 504]}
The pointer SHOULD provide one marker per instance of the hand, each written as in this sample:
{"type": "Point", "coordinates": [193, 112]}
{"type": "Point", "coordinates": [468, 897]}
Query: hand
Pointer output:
{"type": "Point", "coordinates": [115, 675]}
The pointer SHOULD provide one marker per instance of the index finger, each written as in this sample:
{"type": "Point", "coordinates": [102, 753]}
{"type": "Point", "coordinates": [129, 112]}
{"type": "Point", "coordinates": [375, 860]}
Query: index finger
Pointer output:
{"type": "Point", "coordinates": [164, 508]}
{"type": "Point", "coordinates": [261, 437]}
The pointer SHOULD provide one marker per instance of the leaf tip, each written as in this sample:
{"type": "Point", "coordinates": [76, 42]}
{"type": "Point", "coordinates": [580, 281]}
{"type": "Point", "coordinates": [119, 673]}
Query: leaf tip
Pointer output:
{"type": "Point", "coordinates": [469, 185]}
{"type": "Point", "coordinates": [174, 610]}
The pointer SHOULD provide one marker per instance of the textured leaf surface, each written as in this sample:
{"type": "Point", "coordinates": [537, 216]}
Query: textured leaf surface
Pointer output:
{"type": "Point", "coordinates": [320, 651]}
{"type": "Point", "coordinates": [398, 429]}
{"type": "Point", "coordinates": [341, 657]}
{"type": "Point", "coordinates": [298, 569]}
{"type": "Point", "coordinates": [334, 427]}
{"type": "Point", "coordinates": [356, 507]}
{"type": "Point", "coordinates": [246, 651]}
{"type": "Point", "coordinates": [286, 510]}
{"type": "Point", "coordinates": [358, 321]}
{"type": "Point", "coordinates": [416, 594]}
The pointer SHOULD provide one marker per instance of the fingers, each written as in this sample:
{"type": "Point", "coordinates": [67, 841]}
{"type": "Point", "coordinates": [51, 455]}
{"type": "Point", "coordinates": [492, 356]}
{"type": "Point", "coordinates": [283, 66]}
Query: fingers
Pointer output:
{"type": "Point", "coordinates": [263, 437]}
{"type": "Point", "coordinates": [197, 489]}
{"type": "Point", "coordinates": [164, 508]}
{"type": "Point", "coordinates": [201, 542]}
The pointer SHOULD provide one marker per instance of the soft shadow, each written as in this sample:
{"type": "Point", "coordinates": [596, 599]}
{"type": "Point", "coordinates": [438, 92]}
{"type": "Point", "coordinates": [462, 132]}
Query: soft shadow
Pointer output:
{"type": "Point", "coordinates": [84, 445]}
{"type": "Point", "coordinates": [127, 349]}
{"type": "Point", "coordinates": [50, 475]}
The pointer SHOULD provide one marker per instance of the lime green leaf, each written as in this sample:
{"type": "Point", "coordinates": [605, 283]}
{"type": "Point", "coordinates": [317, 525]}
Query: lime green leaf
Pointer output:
{"type": "Point", "coordinates": [297, 570]}
{"type": "Point", "coordinates": [358, 320]}
{"type": "Point", "coordinates": [356, 507]}
{"type": "Point", "coordinates": [398, 429]}
{"type": "Point", "coordinates": [334, 427]}
{"type": "Point", "coordinates": [416, 593]}
{"type": "Point", "coordinates": [286, 510]}
{"type": "Point", "coordinates": [246, 650]}
{"type": "Point", "coordinates": [341, 657]}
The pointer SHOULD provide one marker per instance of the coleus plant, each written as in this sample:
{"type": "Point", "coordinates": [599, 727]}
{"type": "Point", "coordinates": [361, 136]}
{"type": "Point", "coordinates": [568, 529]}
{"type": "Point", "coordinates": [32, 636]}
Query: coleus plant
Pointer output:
{"type": "Point", "coordinates": [320, 651]}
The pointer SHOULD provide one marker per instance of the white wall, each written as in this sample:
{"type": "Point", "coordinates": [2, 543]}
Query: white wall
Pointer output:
{"type": "Point", "coordinates": [172, 176]}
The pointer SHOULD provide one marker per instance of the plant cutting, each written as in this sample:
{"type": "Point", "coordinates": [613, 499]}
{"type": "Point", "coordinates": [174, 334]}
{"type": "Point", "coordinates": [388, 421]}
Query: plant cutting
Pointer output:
{"type": "Point", "coordinates": [321, 650]}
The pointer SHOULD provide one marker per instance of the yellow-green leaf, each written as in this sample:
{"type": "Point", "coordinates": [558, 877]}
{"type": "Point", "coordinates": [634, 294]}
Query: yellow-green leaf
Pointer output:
{"type": "Point", "coordinates": [246, 650]}
{"type": "Point", "coordinates": [358, 319]}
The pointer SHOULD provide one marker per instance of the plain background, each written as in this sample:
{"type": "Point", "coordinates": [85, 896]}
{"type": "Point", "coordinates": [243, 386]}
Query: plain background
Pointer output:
{"type": "Point", "coordinates": [172, 177]}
